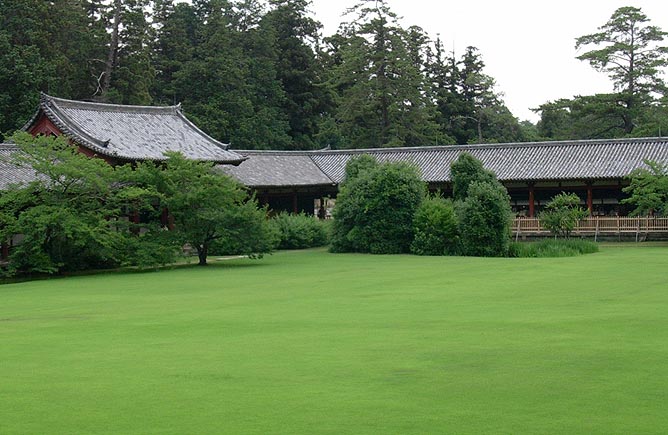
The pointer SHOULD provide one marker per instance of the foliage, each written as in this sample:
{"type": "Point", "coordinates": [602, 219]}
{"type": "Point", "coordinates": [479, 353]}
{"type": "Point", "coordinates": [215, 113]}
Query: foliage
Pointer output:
{"type": "Point", "coordinates": [298, 70]}
{"type": "Point", "coordinates": [69, 218]}
{"type": "Point", "coordinates": [79, 212]}
{"type": "Point", "coordinates": [360, 165]}
{"type": "Point", "coordinates": [435, 228]}
{"type": "Point", "coordinates": [562, 214]}
{"type": "Point", "coordinates": [629, 50]}
{"type": "Point", "coordinates": [299, 231]}
{"type": "Point", "coordinates": [253, 73]}
{"type": "Point", "coordinates": [206, 206]}
{"type": "Point", "coordinates": [374, 210]}
{"type": "Point", "coordinates": [484, 220]}
{"type": "Point", "coordinates": [648, 189]}
{"type": "Point", "coordinates": [466, 170]}
{"type": "Point", "coordinates": [552, 248]}
{"type": "Point", "coordinates": [245, 231]}
{"type": "Point", "coordinates": [365, 61]}
{"type": "Point", "coordinates": [469, 108]}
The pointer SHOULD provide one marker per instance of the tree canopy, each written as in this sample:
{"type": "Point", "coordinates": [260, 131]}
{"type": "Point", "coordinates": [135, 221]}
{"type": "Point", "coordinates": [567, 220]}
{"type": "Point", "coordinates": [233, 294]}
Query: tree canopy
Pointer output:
{"type": "Point", "coordinates": [633, 55]}
{"type": "Point", "coordinates": [254, 73]}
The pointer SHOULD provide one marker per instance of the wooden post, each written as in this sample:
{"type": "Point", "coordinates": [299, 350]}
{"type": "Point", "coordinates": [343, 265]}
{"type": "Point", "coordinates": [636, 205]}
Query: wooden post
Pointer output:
{"type": "Point", "coordinates": [532, 207]}
{"type": "Point", "coordinates": [295, 203]}
{"type": "Point", "coordinates": [5, 251]}
{"type": "Point", "coordinates": [590, 199]}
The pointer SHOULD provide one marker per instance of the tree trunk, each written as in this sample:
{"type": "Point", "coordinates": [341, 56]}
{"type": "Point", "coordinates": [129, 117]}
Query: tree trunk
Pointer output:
{"type": "Point", "coordinates": [113, 51]}
{"type": "Point", "coordinates": [202, 253]}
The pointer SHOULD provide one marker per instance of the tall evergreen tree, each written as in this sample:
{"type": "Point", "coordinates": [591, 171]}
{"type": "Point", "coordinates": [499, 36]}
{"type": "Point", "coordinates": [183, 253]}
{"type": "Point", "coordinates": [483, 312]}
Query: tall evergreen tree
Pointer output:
{"type": "Point", "coordinates": [297, 68]}
{"type": "Point", "coordinates": [44, 46]}
{"type": "Point", "coordinates": [128, 73]}
{"type": "Point", "coordinates": [381, 91]}
{"type": "Point", "coordinates": [630, 51]}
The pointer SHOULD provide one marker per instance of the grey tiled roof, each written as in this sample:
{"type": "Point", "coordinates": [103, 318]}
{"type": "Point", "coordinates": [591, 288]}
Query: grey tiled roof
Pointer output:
{"type": "Point", "coordinates": [565, 160]}
{"type": "Point", "coordinates": [11, 174]}
{"type": "Point", "coordinates": [278, 168]}
{"type": "Point", "coordinates": [133, 132]}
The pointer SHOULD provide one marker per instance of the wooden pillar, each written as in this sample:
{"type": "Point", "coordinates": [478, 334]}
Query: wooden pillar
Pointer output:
{"type": "Point", "coordinates": [590, 199]}
{"type": "Point", "coordinates": [164, 217]}
{"type": "Point", "coordinates": [134, 218]}
{"type": "Point", "coordinates": [532, 206]}
{"type": "Point", "coordinates": [295, 203]}
{"type": "Point", "coordinates": [5, 251]}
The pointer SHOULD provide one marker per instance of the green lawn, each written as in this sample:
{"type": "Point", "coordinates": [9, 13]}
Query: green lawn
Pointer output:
{"type": "Point", "coordinates": [311, 342]}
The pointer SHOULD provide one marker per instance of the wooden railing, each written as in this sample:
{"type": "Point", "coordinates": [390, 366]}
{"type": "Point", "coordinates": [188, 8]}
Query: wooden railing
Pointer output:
{"type": "Point", "coordinates": [597, 226]}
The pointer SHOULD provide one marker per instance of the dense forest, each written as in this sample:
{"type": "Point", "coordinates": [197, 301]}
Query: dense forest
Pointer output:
{"type": "Point", "coordinates": [259, 74]}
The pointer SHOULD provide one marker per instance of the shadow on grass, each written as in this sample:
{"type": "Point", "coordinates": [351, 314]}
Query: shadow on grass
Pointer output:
{"type": "Point", "coordinates": [213, 263]}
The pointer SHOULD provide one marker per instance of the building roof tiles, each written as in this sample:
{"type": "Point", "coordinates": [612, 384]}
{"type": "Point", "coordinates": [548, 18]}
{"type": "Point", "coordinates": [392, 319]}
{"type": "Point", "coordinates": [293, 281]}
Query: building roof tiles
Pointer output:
{"type": "Point", "coordinates": [133, 132]}
{"type": "Point", "coordinates": [534, 161]}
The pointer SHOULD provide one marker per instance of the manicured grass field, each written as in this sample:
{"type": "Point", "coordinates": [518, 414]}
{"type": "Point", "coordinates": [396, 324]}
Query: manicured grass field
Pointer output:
{"type": "Point", "coordinates": [311, 342]}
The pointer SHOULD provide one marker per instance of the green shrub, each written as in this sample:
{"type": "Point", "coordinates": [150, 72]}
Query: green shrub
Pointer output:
{"type": "Point", "coordinates": [484, 220]}
{"type": "Point", "coordinates": [299, 231]}
{"type": "Point", "coordinates": [465, 171]}
{"type": "Point", "coordinates": [552, 248]}
{"type": "Point", "coordinates": [375, 208]}
{"type": "Point", "coordinates": [563, 214]}
{"type": "Point", "coordinates": [435, 227]}
{"type": "Point", "coordinates": [247, 231]}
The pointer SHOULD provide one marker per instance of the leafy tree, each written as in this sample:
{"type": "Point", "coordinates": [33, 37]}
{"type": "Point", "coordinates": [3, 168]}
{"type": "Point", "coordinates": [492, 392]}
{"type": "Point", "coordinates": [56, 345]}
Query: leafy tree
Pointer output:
{"type": "Point", "coordinates": [177, 27]}
{"type": "Point", "coordinates": [648, 189]}
{"type": "Point", "coordinates": [297, 68]}
{"type": "Point", "coordinates": [206, 206]}
{"type": "Point", "coordinates": [374, 210]}
{"type": "Point", "coordinates": [465, 171]}
{"type": "Point", "coordinates": [381, 92]}
{"type": "Point", "coordinates": [44, 46]}
{"type": "Point", "coordinates": [225, 74]}
{"type": "Point", "coordinates": [70, 217]}
{"type": "Point", "coordinates": [359, 165]}
{"type": "Point", "coordinates": [484, 220]}
{"type": "Point", "coordinates": [630, 52]}
{"type": "Point", "coordinates": [562, 214]}
{"type": "Point", "coordinates": [435, 228]}
{"type": "Point", "coordinates": [127, 75]}
{"type": "Point", "coordinates": [470, 110]}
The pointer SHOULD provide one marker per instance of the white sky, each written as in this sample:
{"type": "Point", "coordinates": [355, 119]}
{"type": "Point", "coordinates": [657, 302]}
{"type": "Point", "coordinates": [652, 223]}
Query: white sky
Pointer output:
{"type": "Point", "coordinates": [528, 46]}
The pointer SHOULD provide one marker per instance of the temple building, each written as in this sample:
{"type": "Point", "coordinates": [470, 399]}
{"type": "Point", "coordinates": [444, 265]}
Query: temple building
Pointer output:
{"type": "Point", "coordinates": [533, 173]}
{"type": "Point", "coordinates": [121, 133]}
{"type": "Point", "coordinates": [302, 181]}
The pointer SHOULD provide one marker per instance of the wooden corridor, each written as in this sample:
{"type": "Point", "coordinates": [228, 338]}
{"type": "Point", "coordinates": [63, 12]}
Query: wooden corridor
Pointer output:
{"type": "Point", "coordinates": [597, 226]}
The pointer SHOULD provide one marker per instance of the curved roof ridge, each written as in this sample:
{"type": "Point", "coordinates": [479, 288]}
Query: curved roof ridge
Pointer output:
{"type": "Point", "coordinates": [94, 105]}
{"type": "Point", "coordinates": [9, 146]}
{"type": "Point", "coordinates": [132, 132]}
{"type": "Point", "coordinates": [559, 143]}
{"type": "Point", "coordinates": [69, 126]}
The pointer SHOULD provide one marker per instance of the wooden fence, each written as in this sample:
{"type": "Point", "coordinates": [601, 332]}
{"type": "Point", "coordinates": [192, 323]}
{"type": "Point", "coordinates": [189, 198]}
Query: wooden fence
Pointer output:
{"type": "Point", "coordinates": [595, 226]}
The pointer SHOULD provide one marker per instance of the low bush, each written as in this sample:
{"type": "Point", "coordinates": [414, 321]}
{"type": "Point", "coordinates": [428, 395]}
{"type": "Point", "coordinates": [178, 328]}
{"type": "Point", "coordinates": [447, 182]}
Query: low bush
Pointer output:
{"type": "Point", "coordinates": [484, 220]}
{"type": "Point", "coordinates": [552, 248]}
{"type": "Point", "coordinates": [300, 231]}
{"type": "Point", "coordinates": [435, 227]}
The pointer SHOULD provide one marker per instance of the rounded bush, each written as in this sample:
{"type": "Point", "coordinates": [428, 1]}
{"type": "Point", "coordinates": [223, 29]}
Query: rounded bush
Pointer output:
{"type": "Point", "coordinates": [299, 231]}
{"type": "Point", "coordinates": [484, 220]}
{"type": "Point", "coordinates": [435, 227]}
{"type": "Point", "coordinates": [375, 208]}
